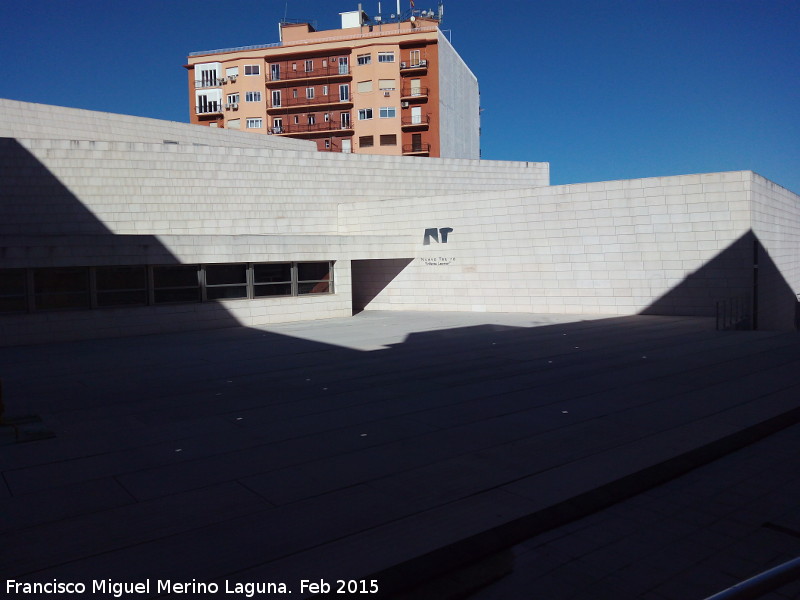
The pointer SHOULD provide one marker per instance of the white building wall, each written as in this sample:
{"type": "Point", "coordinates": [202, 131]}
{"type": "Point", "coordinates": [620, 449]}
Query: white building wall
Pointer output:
{"type": "Point", "coordinates": [42, 121]}
{"type": "Point", "coordinates": [459, 105]}
{"type": "Point", "coordinates": [776, 225]}
{"type": "Point", "coordinates": [671, 245]}
{"type": "Point", "coordinates": [139, 188]}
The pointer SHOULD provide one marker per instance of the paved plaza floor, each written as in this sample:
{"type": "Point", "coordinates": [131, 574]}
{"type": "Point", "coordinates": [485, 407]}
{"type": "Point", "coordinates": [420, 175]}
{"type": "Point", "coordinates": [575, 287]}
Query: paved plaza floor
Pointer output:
{"type": "Point", "coordinates": [395, 447]}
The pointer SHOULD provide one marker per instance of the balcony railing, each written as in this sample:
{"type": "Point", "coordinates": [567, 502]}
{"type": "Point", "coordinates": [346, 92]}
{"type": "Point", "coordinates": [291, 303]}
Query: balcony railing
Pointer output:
{"type": "Point", "coordinates": [416, 121]}
{"type": "Point", "coordinates": [301, 128]}
{"type": "Point", "coordinates": [413, 65]}
{"type": "Point", "coordinates": [206, 83]}
{"type": "Point", "coordinates": [329, 71]}
{"type": "Point", "coordinates": [315, 101]}
{"type": "Point", "coordinates": [416, 92]}
{"type": "Point", "coordinates": [209, 109]}
{"type": "Point", "coordinates": [416, 148]}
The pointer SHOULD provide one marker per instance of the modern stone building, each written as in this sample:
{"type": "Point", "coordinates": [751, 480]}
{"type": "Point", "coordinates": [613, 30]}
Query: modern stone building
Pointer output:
{"type": "Point", "coordinates": [391, 85]}
{"type": "Point", "coordinates": [115, 225]}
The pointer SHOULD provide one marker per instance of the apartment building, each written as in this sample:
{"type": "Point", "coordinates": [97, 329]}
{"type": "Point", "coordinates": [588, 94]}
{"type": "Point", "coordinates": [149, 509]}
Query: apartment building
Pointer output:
{"type": "Point", "coordinates": [391, 85]}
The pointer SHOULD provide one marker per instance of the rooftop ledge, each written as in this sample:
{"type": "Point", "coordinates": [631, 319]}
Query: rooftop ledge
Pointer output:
{"type": "Point", "coordinates": [354, 36]}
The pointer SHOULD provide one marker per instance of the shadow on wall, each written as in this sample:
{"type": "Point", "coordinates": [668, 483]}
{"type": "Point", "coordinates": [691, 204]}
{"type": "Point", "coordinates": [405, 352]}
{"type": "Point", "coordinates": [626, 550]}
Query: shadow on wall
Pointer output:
{"type": "Point", "coordinates": [371, 277]}
{"type": "Point", "coordinates": [49, 240]}
{"type": "Point", "coordinates": [744, 270]}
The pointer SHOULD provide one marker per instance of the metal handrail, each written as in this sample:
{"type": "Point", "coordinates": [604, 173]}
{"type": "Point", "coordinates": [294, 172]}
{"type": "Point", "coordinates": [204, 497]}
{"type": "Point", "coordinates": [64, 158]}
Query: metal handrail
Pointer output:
{"type": "Point", "coordinates": [414, 92]}
{"type": "Point", "coordinates": [761, 584]}
{"type": "Point", "coordinates": [331, 71]}
{"type": "Point", "coordinates": [420, 120]}
{"type": "Point", "coordinates": [733, 313]}
{"type": "Point", "coordinates": [416, 148]}
{"type": "Point", "coordinates": [210, 108]}
{"type": "Point", "coordinates": [303, 101]}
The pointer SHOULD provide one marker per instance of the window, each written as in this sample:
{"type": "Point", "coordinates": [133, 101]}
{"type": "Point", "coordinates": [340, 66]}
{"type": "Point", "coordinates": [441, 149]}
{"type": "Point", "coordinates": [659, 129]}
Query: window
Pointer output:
{"type": "Point", "coordinates": [389, 140]}
{"type": "Point", "coordinates": [364, 59]}
{"type": "Point", "coordinates": [366, 141]}
{"type": "Point", "coordinates": [225, 281]}
{"type": "Point", "coordinates": [314, 278]}
{"type": "Point", "coordinates": [296, 120]}
{"type": "Point", "coordinates": [364, 114]}
{"type": "Point", "coordinates": [294, 66]}
{"type": "Point", "coordinates": [275, 72]}
{"type": "Point", "coordinates": [312, 119]}
{"type": "Point", "coordinates": [294, 93]}
{"type": "Point", "coordinates": [234, 124]}
{"type": "Point", "coordinates": [388, 112]}
{"type": "Point", "coordinates": [324, 63]}
{"type": "Point", "coordinates": [414, 58]}
{"type": "Point", "coordinates": [252, 69]}
{"type": "Point", "coordinates": [179, 283]}
{"type": "Point", "coordinates": [252, 96]}
{"type": "Point", "coordinates": [277, 125]}
{"type": "Point", "coordinates": [276, 97]}
{"type": "Point", "coordinates": [61, 288]}
{"type": "Point", "coordinates": [364, 87]}
{"type": "Point", "coordinates": [138, 285]}
{"type": "Point", "coordinates": [343, 65]}
{"type": "Point", "coordinates": [385, 57]}
{"type": "Point", "coordinates": [327, 117]}
{"type": "Point", "coordinates": [233, 98]}
{"type": "Point", "coordinates": [272, 279]}
{"type": "Point", "coordinates": [254, 123]}
{"type": "Point", "coordinates": [325, 90]}
{"type": "Point", "coordinates": [231, 71]}
{"type": "Point", "coordinates": [327, 144]}
{"type": "Point", "coordinates": [309, 93]}
{"type": "Point", "coordinates": [344, 120]}
{"type": "Point", "coordinates": [387, 84]}
{"type": "Point", "coordinates": [13, 290]}
{"type": "Point", "coordinates": [309, 66]}
{"type": "Point", "coordinates": [209, 102]}
{"type": "Point", "coordinates": [121, 286]}
{"type": "Point", "coordinates": [344, 92]}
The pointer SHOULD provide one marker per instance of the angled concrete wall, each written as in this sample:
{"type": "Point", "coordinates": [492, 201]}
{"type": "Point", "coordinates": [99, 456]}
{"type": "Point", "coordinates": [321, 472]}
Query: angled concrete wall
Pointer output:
{"type": "Point", "coordinates": [670, 245]}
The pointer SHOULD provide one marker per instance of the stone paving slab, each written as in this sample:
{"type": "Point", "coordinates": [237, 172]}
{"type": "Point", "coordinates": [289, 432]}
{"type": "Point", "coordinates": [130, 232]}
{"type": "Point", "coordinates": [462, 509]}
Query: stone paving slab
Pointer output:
{"type": "Point", "coordinates": [390, 445]}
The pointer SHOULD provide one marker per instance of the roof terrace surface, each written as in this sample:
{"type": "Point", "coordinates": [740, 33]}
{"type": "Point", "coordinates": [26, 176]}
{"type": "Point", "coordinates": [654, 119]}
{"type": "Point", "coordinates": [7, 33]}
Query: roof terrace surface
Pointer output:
{"type": "Point", "coordinates": [389, 446]}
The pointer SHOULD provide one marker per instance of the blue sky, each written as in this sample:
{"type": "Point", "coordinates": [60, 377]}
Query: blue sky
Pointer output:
{"type": "Point", "coordinates": [602, 90]}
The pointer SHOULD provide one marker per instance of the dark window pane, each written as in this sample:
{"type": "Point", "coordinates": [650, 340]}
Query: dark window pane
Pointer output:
{"type": "Point", "coordinates": [274, 289]}
{"type": "Point", "coordinates": [313, 271]}
{"type": "Point", "coordinates": [57, 301]}
{"type": "Point", "coordinates": [179, 276]}
{"type": "Point", "coordinates": [127, 298]}
{"type": "Point", "coordinates": [273, 272]}
{"type": "Point", "coordinates": [323, 287]}
{"type": "Point", "coordinates": [229, 291]}
{"type": "Point", "coordinates": [221, 274]}
{"type": "Point", "coordinates": [48, 281]}
{"type": "Point", "coordinates": [12, 281]}
{"type": "Point", "coordinates": [178, 295]}
{"type": "Point", "coordinates": [13, 304]}
{"type": "Point", "coordinates": [120, 278]}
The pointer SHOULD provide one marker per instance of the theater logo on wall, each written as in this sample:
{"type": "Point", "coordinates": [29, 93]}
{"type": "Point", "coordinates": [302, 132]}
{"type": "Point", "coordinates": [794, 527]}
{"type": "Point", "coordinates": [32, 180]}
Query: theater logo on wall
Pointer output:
{"type": "Point", "coordinates": [440, 237]}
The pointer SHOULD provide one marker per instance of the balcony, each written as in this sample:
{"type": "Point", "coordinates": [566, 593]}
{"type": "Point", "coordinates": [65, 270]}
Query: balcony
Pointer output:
{"type": "Point", "coordinates": [311, 129]}
{"type": "Point", "coordinates": [210, 108]}
{"type": "Point", "coordinates": [413, 94]}
{"type": "Point", "coordinates": [416, 149]}
{"type": "Point", "coordinates": [302, 102]}
{"type": "Point", "coordinates": [208, 82]}
{"type": "Point", "coordinates": [413, 66]}
{"type": "Point", "coordinates": [416, 122]}
{"type": "Point", "coordinates": [320, 73]}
